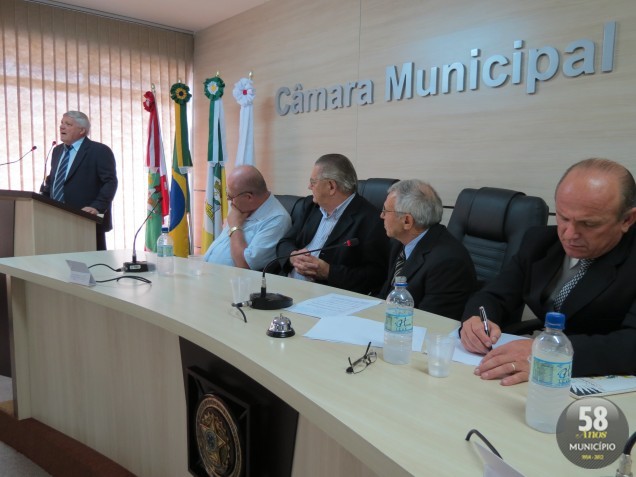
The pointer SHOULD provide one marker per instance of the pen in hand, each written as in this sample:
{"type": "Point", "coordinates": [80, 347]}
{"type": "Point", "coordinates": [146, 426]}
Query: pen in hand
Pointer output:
{"type": "Point", "coordinates": [484, 320]}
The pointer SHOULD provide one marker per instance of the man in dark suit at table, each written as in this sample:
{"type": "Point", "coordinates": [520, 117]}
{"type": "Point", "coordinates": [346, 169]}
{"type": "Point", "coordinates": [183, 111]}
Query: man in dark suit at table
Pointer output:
{"type": "Point", "coordinates": [83, 173]}
{"type": "Point", "coordinates": [584, 268]}
{"type": "Point", "coordinates": [438, 269]}
{"type": "Point", "coordinates": [333, 214]}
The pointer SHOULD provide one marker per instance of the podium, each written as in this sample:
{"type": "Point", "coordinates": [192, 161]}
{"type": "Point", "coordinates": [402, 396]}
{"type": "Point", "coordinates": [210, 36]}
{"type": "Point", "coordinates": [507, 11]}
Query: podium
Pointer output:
{"type": "Point", "coordinates": [32, 224]}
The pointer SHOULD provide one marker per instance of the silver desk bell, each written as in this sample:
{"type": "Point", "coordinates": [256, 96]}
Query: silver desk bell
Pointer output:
{"type": "Point", "coordinates": [280, 327]}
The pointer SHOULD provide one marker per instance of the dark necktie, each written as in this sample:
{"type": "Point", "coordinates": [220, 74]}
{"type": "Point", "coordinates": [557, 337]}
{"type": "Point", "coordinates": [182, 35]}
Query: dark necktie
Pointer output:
{"type": "Point", "coordinates": [399, 265]}
{"type": "Point", "coordinates": [60, 175]}
{"type": "Point", "coordinates": [584, 264]}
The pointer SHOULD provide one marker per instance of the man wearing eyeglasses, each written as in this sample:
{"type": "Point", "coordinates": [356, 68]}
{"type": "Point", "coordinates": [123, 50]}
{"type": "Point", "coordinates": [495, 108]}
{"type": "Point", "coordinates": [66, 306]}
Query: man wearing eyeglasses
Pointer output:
{"type": "Point", "coordinates": [255, 223]}
{"type": "Point", "coordinates": [333, 214]}
{"type": "Point", "coordinates": [438, 269]}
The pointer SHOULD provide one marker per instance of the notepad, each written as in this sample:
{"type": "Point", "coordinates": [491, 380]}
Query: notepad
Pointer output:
{"type": "Point", "coordinates": [602, 386]}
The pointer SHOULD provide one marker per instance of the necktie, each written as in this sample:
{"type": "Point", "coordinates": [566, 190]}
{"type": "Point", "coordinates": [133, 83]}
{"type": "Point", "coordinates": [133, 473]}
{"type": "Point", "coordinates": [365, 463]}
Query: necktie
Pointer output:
{"type": "Point", "coordinates": [399, 264]}
{"type": "Point", "coordinates": [60, 175]}
{"type": "Point", "coordinates": [584, 264]}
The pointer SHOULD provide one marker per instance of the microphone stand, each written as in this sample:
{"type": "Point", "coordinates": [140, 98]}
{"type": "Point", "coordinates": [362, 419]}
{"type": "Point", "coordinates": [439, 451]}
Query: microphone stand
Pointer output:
{"type": "Point", "coordinates": [23, 156]}
{"type": "Point", "coordinates": [136, 266]}
{"type": "Point", "coordinates": [43, 185]}
{"type": "Point", "coordinates": [275, 301]}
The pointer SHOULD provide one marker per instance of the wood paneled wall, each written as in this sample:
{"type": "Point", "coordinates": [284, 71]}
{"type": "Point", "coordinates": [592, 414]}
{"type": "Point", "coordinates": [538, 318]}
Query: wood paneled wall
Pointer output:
{"type": "Point", "coordinates": [490, 136]}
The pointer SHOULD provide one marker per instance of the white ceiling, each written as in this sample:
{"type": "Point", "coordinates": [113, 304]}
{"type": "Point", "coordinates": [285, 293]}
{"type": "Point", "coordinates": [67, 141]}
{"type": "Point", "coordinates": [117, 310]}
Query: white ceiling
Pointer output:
{"type": "Point", "coordinates": [187, 15]}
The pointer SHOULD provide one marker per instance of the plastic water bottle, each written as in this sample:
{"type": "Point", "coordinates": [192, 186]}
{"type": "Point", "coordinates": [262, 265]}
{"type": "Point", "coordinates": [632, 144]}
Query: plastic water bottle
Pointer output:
{"type": "Point", "coordinates": [165, 253]}
{"type": "Point", "coordinates": [550, 375]}
{"type": "Point", "coordinates": [398, 324]}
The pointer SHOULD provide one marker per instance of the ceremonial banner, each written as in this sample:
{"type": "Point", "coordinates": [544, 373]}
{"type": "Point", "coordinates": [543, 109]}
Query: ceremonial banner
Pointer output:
{"type": "Point", "coordinates": [244, 94]}
{"type": "Point", "coordinates": [181, 163]}
{"type": "Point", "coordinates": [157, 175]}
{"type": "Point", "coordinates": [215, 209]}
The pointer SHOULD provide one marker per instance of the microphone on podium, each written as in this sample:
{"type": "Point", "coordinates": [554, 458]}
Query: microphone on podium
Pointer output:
{"type": "Point", "coordinates": [275, 301]}
{"type": "Point", "coordinates": [23, 156]}
{"type": "Point", "coordinates": [46, 160]}
{"type": "Point", "coordinates": [136, 266]}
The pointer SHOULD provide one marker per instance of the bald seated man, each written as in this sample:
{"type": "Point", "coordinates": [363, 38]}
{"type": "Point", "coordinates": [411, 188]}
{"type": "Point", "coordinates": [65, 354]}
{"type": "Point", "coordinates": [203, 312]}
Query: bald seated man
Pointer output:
{"type": "Point", "coordinates": [595, 212]}
{"type": "Point", "coordinates": [255, 223]}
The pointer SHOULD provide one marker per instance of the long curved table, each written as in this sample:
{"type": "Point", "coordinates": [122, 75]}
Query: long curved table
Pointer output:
{"type": "Point", "coordinates": [102, 365]}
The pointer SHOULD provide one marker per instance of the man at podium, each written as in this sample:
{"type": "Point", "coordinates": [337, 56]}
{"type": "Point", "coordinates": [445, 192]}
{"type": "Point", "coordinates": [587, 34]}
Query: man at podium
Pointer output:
{"type": "Point", "coordinates": [83, 173]}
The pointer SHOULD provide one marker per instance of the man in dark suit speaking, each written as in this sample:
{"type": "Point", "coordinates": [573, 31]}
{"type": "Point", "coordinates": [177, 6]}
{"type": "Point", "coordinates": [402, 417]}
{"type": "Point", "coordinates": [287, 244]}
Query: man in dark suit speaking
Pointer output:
{"type": "Point", "coordinates": [333, 214]}
{"type": "Point", "coordinates": [584, 268]}
{"type": "Point", "coordinates": [83, 172]}
{"type": "Point", "coordinates": [438, 269]}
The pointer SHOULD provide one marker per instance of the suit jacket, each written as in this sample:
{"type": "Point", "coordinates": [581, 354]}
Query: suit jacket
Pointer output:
{"type": "Point", "coordinates": [600, 311]}
{"type": "Point", "coordinates": [439, 272]}
{"type": "Point", "coordinates": [91, 180]}
{"type": "Point", "coordinates": [361, 268]}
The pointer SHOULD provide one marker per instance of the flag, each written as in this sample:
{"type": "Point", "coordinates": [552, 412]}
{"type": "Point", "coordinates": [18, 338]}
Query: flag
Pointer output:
{"type": "Point", "coordinates": [215, 209]}
{"type": "Point", "coordinates": [157, 175]}
{"type": "Point", "coordinates": [181, 163]}
{"type": "Point", "coordinates": [244, 94]}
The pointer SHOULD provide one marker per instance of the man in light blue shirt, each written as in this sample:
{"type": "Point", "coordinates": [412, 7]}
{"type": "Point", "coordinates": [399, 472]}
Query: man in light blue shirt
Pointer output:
{"type": "Point", "coordinates": [255, 223]}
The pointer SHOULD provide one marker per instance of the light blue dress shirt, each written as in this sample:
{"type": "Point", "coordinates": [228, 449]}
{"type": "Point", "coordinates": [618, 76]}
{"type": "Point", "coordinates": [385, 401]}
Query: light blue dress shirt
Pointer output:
{"type": "Point", "coordinates": [262, 231]}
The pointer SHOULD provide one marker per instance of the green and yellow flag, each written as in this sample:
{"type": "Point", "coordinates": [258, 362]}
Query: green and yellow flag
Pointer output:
{"type": "Point", "coordinates": [181, 164]}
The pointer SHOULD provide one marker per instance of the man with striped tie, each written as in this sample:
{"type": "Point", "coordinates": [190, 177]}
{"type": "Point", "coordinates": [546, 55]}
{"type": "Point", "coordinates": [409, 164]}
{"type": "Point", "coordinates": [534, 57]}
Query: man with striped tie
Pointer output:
{"type": "Point", "coordinates": [439, 271]}
{"type": "Point", "coordinates": [584, 267]}
{"type": "Point", "coordinates": [83, 173]}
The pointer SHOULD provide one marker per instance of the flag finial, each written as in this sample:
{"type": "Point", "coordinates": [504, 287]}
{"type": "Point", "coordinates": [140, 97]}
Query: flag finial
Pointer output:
{"type": "Point", "coordinates": [250, 75]}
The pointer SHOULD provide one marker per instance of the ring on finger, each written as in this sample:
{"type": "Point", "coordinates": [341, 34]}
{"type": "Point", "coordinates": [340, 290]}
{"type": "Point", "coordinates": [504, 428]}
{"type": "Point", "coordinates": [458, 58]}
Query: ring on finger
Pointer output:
{"type": "Point", "coordinates": [514, 368]}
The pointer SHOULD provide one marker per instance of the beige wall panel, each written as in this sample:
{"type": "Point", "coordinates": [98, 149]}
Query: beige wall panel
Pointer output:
{"type": "Point", "coordinates": [495, 136]}
{"type": "Point", "coordinates": [490, 136]}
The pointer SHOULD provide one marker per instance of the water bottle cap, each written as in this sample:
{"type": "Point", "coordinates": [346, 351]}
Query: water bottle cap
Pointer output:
{"type": "Point", "coordinates": [164, 230]}
{"type": "Point", "coordinates": [400, 281]}
{"type": "Point", "coordinates": [555, 320]}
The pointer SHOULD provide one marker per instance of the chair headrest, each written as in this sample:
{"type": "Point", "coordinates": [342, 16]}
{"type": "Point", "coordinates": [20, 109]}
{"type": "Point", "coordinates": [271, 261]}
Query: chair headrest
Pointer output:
{"type": "Point", "coordinates": [487, 216]}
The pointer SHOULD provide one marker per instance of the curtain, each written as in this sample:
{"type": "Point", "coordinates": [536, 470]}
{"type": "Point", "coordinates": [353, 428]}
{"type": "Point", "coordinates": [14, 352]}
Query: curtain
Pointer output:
{"type": "Point", "coordinates": [55, 60]}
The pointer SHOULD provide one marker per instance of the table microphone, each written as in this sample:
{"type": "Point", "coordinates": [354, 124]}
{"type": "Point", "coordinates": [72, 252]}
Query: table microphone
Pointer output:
{"type": "Point", "coordinates": [275, 301]}
{"type": "Point", "coordinates": [23, 156]}
{"type": "Point", "coordinates": [136, 266]}
{"type": "Point", "coordinates": [43, 185]}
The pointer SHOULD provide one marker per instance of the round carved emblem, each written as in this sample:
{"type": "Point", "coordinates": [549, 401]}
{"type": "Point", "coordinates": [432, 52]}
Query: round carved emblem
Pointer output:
{"type": "Point", "coordinates": [218, 438]}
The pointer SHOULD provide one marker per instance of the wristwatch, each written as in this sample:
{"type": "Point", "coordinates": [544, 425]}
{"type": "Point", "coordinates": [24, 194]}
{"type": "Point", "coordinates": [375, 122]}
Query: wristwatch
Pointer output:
{"type": "Point", "coordinates": [233, 229]}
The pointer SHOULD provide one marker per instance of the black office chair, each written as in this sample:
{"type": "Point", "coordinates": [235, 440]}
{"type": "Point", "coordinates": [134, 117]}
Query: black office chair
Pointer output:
{"type": "Point", "coordinates": [375, 190]}
{"type": "Point", "coordinates": [491, 222]}
{"type": "Point", "coordinates": [292, 203]}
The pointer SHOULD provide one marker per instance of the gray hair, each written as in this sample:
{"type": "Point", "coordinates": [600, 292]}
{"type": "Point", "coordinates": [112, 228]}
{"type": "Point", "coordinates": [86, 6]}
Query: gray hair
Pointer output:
{"type": "Point", "coordinates": [622, 174]}
{"type": "Point", "coordinates": [338, 168]}
{"type": "Point", "coordinates": [81, 119]}
{"type": "Point", "coordinates": [420, 200]}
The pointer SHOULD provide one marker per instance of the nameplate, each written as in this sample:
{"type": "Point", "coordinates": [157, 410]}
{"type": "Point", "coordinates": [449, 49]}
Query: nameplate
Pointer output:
{"type": "Point", "coordinates": [80, 274]}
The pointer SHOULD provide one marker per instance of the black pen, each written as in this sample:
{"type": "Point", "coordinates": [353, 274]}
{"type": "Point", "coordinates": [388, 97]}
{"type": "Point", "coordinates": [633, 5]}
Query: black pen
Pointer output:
{"type": "Point", "coordinates": [484, 320]}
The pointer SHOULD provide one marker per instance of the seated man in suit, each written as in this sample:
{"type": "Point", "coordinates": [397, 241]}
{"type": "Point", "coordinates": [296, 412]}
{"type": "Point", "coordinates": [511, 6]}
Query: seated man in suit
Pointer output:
{"type": "Point", "coordinates": [83, 173]}
{"type": "Point", "coordinates": [255, 223]}
{"type": "Point", "coordinates": [331, 216]}
{"type": "Point", "coordinates": [438, 269]}
{"type": "Point", "coordinates": [584, 268]}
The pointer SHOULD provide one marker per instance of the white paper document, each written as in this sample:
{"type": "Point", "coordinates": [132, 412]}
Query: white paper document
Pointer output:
{"type": "Point", "coordinates": [333, 304]}
{"type": "Point", "coordinates": [356, 330]}
{"type": "Point", "coordinates": [462, 356]}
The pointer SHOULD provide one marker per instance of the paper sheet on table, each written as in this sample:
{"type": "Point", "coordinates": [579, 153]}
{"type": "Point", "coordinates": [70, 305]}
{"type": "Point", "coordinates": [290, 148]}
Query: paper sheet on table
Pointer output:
{"type": "Point", "coordinates": [333, 304]}
{"type": "Point", "coordinates": [462, 356]}
{"type": "Point", "coordinates": [356, 330]}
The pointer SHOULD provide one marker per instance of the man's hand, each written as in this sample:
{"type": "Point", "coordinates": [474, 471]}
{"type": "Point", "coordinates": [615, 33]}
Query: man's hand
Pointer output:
{"type": "Point", "coordinates": [236, 218]}
{"type": "Point", "coordinates": [474, 337]}
{"type": "Point", "coordinates": [310, 266]}
{"type": "Point", "coordinates": [509, 362]}
{"type": "Point", "coordinates": [90, 210]}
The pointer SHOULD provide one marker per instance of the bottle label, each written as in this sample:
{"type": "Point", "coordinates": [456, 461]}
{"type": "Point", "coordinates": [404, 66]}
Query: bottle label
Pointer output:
{"type": "Point", "coordinates": [552, 374]}
{"type": "Point", "coordinates": [398, 322]}
{"type": "Point", "coordinates": [165, 251]}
